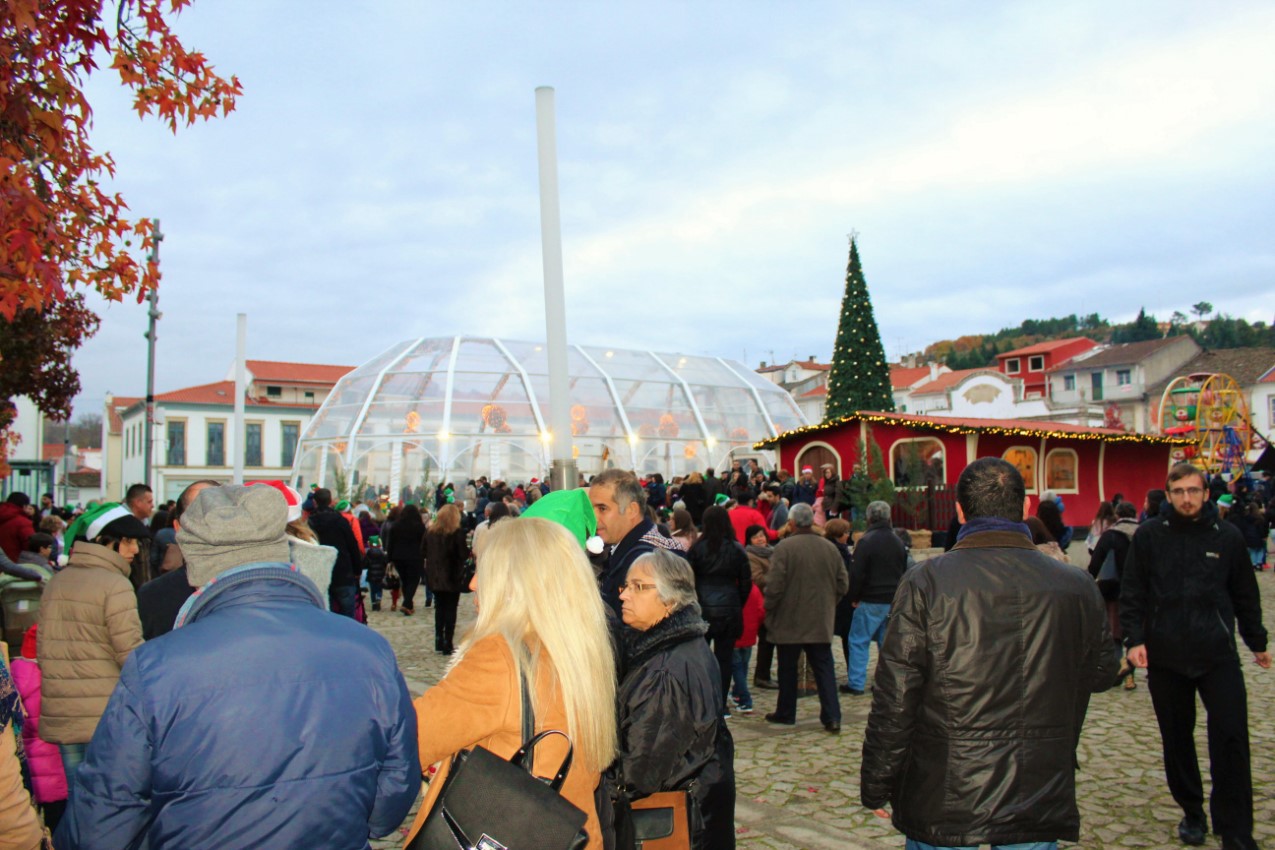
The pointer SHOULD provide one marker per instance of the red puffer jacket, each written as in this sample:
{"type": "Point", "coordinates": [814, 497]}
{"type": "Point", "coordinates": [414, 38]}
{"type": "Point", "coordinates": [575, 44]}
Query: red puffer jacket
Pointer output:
{"type": "Point", "coordinates": [15, 530]}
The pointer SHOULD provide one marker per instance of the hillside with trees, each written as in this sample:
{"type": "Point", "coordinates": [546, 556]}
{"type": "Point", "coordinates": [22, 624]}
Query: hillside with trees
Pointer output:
{"type": "Point", "coordinates": [976, 351]}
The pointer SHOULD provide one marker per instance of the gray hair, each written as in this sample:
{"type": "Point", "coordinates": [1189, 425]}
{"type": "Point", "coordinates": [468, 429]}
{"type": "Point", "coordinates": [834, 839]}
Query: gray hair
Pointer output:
{"type": "Point", "coordinates": [674, 581]}
{"type": "Point", "coordinates": [802, 515]}
{"type": "Point", "coordinates": [878, 512]}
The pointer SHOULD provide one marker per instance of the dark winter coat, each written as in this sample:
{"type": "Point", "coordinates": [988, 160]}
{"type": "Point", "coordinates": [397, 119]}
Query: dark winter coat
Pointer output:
{"type": "Point", "coordinates": [375, 561]}
{"type": "Point", "coordinates": [334, 530]}
{"type": "Point", "coordinates": [1186, 585]}
{"type": "Point", "coordinates": [445, 556]}
{"type": "Point", "coordinates": [990, 657]}
{"type": "Point", "coordinates": [1115, 540]}
{"type": "Point", "coordinates": [642, 538]}
{"type": "Point", "coordinates": [695, 499]}
{"type": "Point", "coordinates": [670, 726]}
{"type": "Point", "coordinates": [211, 742]}
{"type": "Point", "coordinates": [404, 545]}
{"type": "Point", "coordinates": [844, 614]}
{"type": "Point", "coordinates": [806, 578]}
{"type": "Point", "coordinates": [879, 561]}
{"type": "Point", "coordinates": [722, 582]}
{"type": "Point", "coordinates": [15, 530]}
{"type": "Point", "coordinates": [159, 600]}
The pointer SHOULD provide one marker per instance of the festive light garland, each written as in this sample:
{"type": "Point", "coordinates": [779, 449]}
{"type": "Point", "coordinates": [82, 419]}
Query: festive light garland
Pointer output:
{"type": "Point", "coordinates": [958, 428]}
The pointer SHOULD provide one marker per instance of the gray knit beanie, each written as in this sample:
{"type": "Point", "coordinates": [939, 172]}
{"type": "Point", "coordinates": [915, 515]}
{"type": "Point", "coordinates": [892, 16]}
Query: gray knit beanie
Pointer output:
{"type": "Point", "coordinates": [227, 527]}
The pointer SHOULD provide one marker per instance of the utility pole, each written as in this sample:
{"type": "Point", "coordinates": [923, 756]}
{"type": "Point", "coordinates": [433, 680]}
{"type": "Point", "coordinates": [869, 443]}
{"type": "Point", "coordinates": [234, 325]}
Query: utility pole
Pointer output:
{"type": "Point", "coordinates": [154, 316]}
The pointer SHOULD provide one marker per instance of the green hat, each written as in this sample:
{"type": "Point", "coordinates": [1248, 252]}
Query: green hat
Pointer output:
{"type": "Point", "coordinates": [343, 506]}
{"type": "Point", "coordinates": [1226, 501]}
{"type": "Point", "coordinates": [569, 508]}
{"type": "Point", "coordinates": [720, 498]}
{"type": "Point", "coordinates": [91, 523]}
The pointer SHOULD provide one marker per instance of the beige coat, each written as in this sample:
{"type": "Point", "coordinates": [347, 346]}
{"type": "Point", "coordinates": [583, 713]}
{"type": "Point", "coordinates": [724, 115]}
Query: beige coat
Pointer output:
{"type": "Point", "coordinates": [807, 576]}
{"type": "Point", "coordinates": [88, 626]}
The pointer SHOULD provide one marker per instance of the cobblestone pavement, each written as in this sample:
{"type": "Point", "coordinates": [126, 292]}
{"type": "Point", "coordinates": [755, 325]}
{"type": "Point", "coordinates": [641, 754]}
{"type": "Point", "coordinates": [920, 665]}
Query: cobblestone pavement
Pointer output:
{"type": "Point", "coordinates": [798, 787]}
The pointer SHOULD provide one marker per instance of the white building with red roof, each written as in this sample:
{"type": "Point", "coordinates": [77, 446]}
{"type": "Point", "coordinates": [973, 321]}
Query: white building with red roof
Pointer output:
{"type": "Point", "coordinates": [193, 435]}
{"type": "Point", "coordinates": [1032, 363]}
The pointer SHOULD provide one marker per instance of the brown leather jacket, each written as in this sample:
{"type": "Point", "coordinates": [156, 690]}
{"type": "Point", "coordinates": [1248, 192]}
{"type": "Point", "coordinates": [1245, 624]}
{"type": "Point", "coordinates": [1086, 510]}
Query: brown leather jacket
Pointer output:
{"type": "Point", "coordinates": [88, 626]}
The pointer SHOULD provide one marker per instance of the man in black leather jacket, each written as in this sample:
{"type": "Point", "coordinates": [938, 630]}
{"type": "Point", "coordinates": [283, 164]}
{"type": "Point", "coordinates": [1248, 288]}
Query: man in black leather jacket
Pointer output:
{"type": "Point", "coordinates": [991, 653]}
{"type": "Point", "coordinates": [1187, 582]}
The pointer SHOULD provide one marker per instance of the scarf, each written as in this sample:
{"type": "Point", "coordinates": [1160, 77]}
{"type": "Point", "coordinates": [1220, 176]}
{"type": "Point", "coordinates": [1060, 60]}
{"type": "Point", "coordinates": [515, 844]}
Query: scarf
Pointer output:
{"type": "Point", "coordinates": [992, 523]}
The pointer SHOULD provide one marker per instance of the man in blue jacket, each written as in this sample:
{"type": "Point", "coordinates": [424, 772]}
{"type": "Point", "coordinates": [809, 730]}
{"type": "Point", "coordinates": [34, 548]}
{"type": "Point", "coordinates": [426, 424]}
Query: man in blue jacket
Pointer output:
{"type": "Point", "coordinates": [261, 720]}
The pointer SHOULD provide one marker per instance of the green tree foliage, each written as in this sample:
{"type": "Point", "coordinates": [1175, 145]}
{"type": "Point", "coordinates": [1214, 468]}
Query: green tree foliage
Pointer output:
{"type": "Point", "coordinates": [860, 376]}
{"type": "Point", "coordinates": [1226, 332]}
{"type": "Point", "coordinates": [1143, 328]}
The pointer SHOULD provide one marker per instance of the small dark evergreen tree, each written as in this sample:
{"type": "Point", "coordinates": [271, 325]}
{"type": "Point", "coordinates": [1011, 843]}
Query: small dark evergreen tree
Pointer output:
{"type": "Point", "coordinates": [1142, 328]}
{"type": "Point", "coordinates": [860, 377]}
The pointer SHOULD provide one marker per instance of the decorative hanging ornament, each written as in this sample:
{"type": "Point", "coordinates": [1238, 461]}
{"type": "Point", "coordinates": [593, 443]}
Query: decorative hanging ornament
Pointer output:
{"type": "Point", "coordinates": [412, 423]}
{"type": "Point", "coordinates": [668, 426]}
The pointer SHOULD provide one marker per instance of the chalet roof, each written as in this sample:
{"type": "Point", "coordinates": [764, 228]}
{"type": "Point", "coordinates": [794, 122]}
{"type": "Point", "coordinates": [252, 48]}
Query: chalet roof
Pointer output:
{"type": "Point", "coordinates": [1119, 355]}
{"type": "Point", "coordinates": [52, 451]}
{"type": "Point", "coordinates": [947, 380]}
{"type": "Point", "coordinates": [1268, 378]}
{"type": "Point", "coordinates": [221, 393]}
{"type": "Point", "coordinates": [963, 425]}
{"type": "Point", "coordinates": [1246, 365]}
{"type": "Point", "coordinates": [902, 377]}
{"type": "Point", "coordinates": [817, 392]}
{"type": "Point", "coordinates": [274, 371]}
{"type": "Point", "coordinates": [1045, 347]}
{"type": "Point", "coordinates": [802, 364]}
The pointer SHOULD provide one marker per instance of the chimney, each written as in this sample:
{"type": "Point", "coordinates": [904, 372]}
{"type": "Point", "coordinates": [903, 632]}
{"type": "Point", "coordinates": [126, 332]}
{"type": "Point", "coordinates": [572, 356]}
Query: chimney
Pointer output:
{"type": "Point", "coordinates": [812, 359]}
{"type": "Point", "coordinates": [934, 370]}
{"type": "Point", "coordinates": [763, 365]}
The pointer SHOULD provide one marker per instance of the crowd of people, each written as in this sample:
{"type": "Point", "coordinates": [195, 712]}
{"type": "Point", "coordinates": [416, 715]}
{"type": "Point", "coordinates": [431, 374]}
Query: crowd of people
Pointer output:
{"type": "Point", "coordinates": [188, 685]}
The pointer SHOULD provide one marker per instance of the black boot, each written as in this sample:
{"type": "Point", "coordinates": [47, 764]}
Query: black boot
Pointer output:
{"type": "Point", "coordinates": [1193, 829]}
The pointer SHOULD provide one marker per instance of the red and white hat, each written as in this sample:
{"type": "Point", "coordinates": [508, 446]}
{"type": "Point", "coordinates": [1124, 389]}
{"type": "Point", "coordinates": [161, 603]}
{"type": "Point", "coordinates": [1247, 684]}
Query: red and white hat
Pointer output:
{"type": "Point", "coordinates": [291, 496]}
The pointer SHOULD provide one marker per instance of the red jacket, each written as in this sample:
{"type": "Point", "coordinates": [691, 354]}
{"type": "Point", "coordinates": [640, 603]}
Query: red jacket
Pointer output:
{"type": "Point", "coordinates": [754, 614]}
{"type": "Point", "coordinates": [741, 517]}
{"type": "Point", "coordinates": [15, 530]}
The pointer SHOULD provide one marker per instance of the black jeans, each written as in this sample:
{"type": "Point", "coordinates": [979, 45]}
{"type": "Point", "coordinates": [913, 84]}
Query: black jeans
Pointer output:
{"type": "Point", "coordinates": [820, 657]}
{"type": "Point", "coordinates": [1226, 703]}
{"type": "Point", "coordinates": [765, 657]}
{"type": "Point", "coordinates": [445, 620]}
{"type": "Point", "coordinates": [410, 572]}
{"type": "Point", "coordinates": [724, 652]}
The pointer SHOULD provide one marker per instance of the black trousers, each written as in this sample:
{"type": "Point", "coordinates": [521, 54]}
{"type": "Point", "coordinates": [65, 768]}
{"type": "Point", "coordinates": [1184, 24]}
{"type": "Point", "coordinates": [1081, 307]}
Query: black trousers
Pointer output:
{"type": "Point", "coordinates": [820, 657]}
{"type": "Point", "coordinates": [1226, 703]}
{"type": "Point", "coordinates": [724, 651]}
{"type": "Point", "coordinates": [445, 620]}
{"type": "Point", "coordinates": [411, 573]}
{"type": "Point", "coordinates": [765, 657]}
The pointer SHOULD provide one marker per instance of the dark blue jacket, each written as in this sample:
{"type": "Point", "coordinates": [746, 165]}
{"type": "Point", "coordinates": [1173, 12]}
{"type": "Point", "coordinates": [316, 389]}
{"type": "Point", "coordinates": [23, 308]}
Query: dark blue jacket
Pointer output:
{"type": "Point", "coordinates": [261, 721]}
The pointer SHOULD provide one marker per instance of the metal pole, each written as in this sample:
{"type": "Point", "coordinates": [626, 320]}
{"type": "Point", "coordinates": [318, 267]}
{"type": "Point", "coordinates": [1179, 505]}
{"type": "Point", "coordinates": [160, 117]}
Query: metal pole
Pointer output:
{"type": "Point", "coordinates": [153, 315]}
{"type": "Point", "coordinates": [241, 388]}
{"type": "Point", "coordinates": [562, 470]}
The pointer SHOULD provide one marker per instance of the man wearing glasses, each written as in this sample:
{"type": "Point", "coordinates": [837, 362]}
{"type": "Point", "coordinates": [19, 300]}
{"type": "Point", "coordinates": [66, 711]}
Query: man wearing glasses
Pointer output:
{"type": "Point", "coordinates": [1187, 583]}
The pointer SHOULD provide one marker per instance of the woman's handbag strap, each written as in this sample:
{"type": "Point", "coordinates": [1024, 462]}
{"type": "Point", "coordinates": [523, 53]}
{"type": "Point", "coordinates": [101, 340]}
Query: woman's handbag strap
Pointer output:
{"type": "Point", "coordinates": [522, 758]}
{"type": "Point", "coordinates": [528, 720]}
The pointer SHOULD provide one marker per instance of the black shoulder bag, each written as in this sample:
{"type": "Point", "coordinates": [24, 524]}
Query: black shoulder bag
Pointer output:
{"type": "Point", "coordinates": [488, 803]}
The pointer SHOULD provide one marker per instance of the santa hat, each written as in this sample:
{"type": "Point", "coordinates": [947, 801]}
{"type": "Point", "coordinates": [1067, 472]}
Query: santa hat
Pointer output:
{"type": "Point", "coordinates": [806, 470]}
{"type": "Point", "coordinates": [291, 496]}
{"type": "Point", "coordinates": [572, 510]}
{"type": "Point", "coordinates": [109, 518]}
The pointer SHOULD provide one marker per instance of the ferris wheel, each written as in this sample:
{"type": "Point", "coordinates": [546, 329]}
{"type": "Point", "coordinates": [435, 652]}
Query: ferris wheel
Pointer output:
{"type": "Point", "coordinates": [1211, 408]}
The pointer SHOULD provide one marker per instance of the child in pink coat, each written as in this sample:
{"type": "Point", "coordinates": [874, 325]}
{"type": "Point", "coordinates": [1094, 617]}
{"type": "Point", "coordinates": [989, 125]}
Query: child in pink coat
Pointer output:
{"type": "Point", "coordinates": [45, 761]}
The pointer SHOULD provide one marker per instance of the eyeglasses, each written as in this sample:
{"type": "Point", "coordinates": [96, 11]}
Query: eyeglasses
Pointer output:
{"type": "Point", "coordinates": [1179, 492]}
{"type": "Point", "coordinates": [636, 587]}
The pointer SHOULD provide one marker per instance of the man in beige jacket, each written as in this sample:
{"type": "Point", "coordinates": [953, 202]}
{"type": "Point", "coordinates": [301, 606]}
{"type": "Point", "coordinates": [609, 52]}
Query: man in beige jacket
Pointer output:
{"type": "Point", "coordinates": [88, 626]}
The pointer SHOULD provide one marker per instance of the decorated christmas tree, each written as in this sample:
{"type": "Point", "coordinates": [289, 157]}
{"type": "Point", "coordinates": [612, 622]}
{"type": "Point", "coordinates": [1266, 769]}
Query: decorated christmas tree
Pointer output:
{"type": "Point", "coordinates": [860, 377]}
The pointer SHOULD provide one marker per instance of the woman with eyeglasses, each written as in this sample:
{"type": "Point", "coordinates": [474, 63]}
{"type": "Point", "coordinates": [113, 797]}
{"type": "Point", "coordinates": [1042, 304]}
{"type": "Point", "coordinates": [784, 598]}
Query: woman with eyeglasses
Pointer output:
{"type": "Point", "coordinates": [672, 735]}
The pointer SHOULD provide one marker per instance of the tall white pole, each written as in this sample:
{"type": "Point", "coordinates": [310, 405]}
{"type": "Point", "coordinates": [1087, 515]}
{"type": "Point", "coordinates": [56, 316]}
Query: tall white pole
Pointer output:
{"type": "Point", "coordinates": [241, 390]}
{"type": "Point", "coordinates": [562, 470]}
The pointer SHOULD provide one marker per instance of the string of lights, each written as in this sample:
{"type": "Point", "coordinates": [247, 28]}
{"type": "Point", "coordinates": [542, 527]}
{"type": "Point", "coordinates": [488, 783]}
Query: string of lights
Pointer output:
{"type": "Point", "coordinates": [1057, 431]}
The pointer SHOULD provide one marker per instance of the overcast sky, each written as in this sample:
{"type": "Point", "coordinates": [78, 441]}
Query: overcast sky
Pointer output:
{"type": "Point", "coordinates": [378, 181]}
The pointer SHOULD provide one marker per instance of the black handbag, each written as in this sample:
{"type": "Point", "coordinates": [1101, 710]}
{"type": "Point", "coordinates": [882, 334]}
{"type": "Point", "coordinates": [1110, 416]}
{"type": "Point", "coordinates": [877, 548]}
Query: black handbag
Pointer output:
{"type": "Point", "coordinates": [488, 803]}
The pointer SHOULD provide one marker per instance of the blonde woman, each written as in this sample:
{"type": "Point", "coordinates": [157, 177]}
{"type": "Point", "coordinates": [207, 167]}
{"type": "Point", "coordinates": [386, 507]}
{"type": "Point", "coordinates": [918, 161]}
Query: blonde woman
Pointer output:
{"type": "Point", "coordinates": [540, 615]}
{"type": "Point", "coordinates": [445, 553]}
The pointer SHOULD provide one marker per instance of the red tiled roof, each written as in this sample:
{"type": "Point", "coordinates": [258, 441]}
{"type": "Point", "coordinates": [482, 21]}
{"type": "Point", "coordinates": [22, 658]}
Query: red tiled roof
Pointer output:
{"type": "Point", "coordinates": [947, 380]}
{"type": "Point", "coordinates": [821, 390]}
{"type": "Point", "coordinates": [803, 364]}
{"type": "Point", "coordinates": [902, 377]}
{"type": "Point", "coordinates": [1046, 347]}
{"type": "Point", "coordinates": [52, 451]}
{"type": "Point", "coordinates": [221, 392]}
{"type": "Point", "coordinates": [1268, 378]}
{"type": "Point", "coordinates": [118, 405]}
{"type": "Point", "coordinates": [1122, 354]}
{"type": "Point", "coordinates": [274, 371]}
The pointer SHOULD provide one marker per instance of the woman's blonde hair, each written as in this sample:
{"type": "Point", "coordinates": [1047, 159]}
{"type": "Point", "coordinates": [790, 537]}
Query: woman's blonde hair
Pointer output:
{"type": "Point", "coordinates": [447, 521]}
{"type": "Point", "coordinates": [537, 590]}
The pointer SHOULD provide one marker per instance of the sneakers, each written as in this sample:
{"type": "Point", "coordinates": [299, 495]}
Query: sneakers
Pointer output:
{"type": "Point", "coordinates": [1192, 829]}
{"type": "Point", "coordinates": [744, 709]}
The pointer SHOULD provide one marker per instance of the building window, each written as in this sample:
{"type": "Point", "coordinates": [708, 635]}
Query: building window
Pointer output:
{"type": "Point", "coordinates": [176, 442]}
{"type": "Point", "coordinates": [291, 432]}
{"type": "Point", "coordinates": [309, 395]}
{"type": "Point", "coordinates": [1124, 377]}
{"type": "Point", "coordinates": [1069, 382]}
{"type": "Point", "coordinates": [1012, 366]}
{"type": "Point", "coordinates": [216, 455]}
{"type": "Point", "coordinates": [252, 444]}
{"type": "Point", "coordinates": [274, 392]}
{"type": "Point", "coordinates": [1024, 459]}
{"type": "Point", "coordinates": [917, 462]}
{"type": "Point", "coordinates": [1061, 469]}
{"type": "Point", "coordinates": [1036, 363]}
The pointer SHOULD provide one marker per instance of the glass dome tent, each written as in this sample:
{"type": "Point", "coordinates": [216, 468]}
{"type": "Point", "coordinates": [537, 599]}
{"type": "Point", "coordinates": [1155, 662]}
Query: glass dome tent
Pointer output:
{"type": "Point", "coordinates": [453, 408]}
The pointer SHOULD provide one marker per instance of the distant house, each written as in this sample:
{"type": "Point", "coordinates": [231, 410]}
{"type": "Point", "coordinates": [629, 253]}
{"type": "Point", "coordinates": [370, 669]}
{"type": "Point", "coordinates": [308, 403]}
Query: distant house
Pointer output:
{"type": "Point", "coordinates": [805, 380]}
{"type": "Point", "coordinates": [1120, 378]}
{"type": "Point", "coordinates": [905, 378]}
{"type": "Point", "coordinates": [1253, 370]}
{"type": "Point", "coordinates": [1032, 363]}
{"type": "Point", "coordinates": [1263, 410]}
{"type": "Point", "coordinates": [193, 435]}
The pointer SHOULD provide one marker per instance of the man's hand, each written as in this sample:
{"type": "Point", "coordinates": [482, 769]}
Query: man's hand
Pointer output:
{"type": "Point", "coordinates": [1263, 659]}
{"type": "Point", "coordinates": [1137, 655]}
{"type": "Point", "coordinates": [881, 813]}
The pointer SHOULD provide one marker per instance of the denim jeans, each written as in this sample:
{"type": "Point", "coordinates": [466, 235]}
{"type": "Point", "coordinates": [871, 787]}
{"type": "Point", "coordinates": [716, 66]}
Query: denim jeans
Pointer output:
{"type": "Point", "coordinates": [868, 625]}
{"type": "Point", "coordinates": [72, 755]}
{"type": "Point", "coordinates": [343, 598]}
{"type": "Point", "coordinates": [1031, 845]}
{"type": "Point", "coordinates": [739, 673]}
